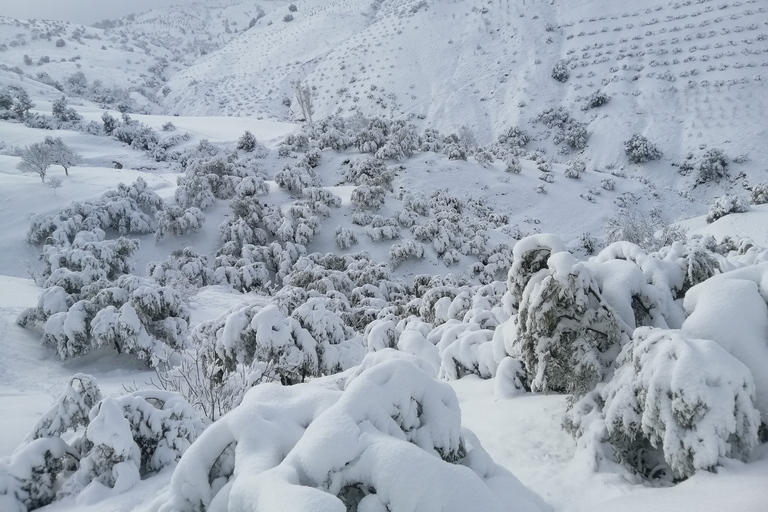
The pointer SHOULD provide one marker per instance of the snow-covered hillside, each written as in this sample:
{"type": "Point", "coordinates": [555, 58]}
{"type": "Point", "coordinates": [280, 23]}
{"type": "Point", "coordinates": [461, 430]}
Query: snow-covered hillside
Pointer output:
{"type": "Point", "coordinates": [685, 74]}
{"type": "Point", "coordinates": [401, 255]}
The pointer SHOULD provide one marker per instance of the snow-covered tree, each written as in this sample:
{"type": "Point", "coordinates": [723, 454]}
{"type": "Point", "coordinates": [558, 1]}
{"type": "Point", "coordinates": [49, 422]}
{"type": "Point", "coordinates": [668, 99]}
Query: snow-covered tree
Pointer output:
{"type": "Point", "coordinates": [64, 113]}
{"type": "Point", "coordinates": [565, 328]}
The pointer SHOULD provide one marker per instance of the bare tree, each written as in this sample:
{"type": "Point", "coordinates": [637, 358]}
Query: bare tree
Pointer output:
{"type": "Point", "coordinates": [304, 98]}
{"type": "Point", "coordinates": [36, 158]}
{"type": "Point", "coordinates": [61, 154]}
{"type": "Point", "coordinates": [55, 182]}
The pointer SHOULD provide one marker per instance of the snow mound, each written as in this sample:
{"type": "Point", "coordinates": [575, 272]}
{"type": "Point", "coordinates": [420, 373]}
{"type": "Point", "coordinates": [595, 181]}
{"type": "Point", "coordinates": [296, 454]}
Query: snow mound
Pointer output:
{"type": "Point", "coordinates": [388, 437]}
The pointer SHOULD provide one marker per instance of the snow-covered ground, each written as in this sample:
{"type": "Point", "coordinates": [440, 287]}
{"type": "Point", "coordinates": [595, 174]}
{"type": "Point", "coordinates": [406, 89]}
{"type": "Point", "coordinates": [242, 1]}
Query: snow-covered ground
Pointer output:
{"type": "Point", "coordinates": [684, 74]}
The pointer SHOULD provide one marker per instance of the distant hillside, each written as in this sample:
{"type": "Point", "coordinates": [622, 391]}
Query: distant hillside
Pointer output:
{"type": "Point", "coordinates": [686, 74]}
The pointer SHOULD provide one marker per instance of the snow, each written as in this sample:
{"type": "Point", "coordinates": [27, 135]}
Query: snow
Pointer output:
{"type": "Point", "coordinates": [685, 92]}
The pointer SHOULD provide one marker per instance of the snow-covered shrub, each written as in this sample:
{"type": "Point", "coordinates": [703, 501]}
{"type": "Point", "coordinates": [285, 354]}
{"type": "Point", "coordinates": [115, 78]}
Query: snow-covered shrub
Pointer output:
{"type": "Point", "coordinates": [515, 137]}
{"type": "Point", "coordinates": [595, 100]}
{"type": "Point", "coordinates": [405, 250]}
{"type": "Point", "coordinates": [574, 134]}
{"type": "Point", "coordinates": [132, 315]}
{"type": "Point", "coordinates": [113, 460]}
{"type": "Point", "coordinates": [639, 149]}
{"type": "Point", "coordinates": [344, 237]}
{"type": "Point", "coordinates": [565, 328]}
{"type": "Point", "coordinates": [247, 142]}
{"type": "Point", "coordinates": [90, 256]}
{"type": "Point", "coordinates": [29, 477]}
{"type": "Point", "coordinates": [512, 165]}
{"type": "Point", "coordinates": [712, 166]}
{"type": "Point", "coordinates": [370, 172]}
{"type": "Point", "coordinates": [608, 184]}
{"type": "Point", "coordinates": [650, 232]}
{"type": "Point", "coordinates": [183, 270]}
{"type": "Point", "coordinates": [386, 437]}
{"type": "Point", "coordinates": [178, 221]}
{"type": "Point", "coordinates": [368, 197]}
{"type": "Point", "coordinates": [62, 112]}
{"type": "Point", "coordinates": [295, 178]}
{"type": "Point", "coordinates": [674, 406]}
{"type": "Point", "coordinates": [135, 134]}
{"type": "Point", "coordinates": [759, 193]}
{"type": "Point", "coordinates": [547, 177]}
{"type": "Point", "coordinates": [725, 205]}
{"type": "Point", "coordinates": [311, 341]}
{"type": "Point", "coordinates": [574, 168]}
{"type": "Point", "coordinates": [71, 409]}
{"type": "Point", "coordinates": [560, 71]}
{"type": "Point", "coordinates": [401, 143]}
{"type": "Point", "coordinates": [115, 210]}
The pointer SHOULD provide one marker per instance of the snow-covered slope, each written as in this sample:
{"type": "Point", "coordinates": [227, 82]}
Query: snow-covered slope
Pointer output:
{"type": "Point", "coordinates": [685, 74]}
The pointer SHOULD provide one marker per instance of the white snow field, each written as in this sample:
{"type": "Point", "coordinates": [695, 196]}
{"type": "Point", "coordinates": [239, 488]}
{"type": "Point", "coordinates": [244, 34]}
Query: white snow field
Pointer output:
{"type": "Point", "coordinates": [222, 305]}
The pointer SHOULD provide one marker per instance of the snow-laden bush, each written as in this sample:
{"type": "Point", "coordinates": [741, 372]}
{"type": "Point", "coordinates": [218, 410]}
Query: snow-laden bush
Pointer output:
{"type": "Point", "coordinates": [515, 137]}
{"type": "Point", "coordinates": [295, 178]}
{"type": "Point", "coordinates": [132, 315]}
{"type": "Point", "coordinates": [344, 237]}
{"type": "Point", "coordinates": [560, 71]}
{"type": "Point", "coordinates": [574, 134]}
{"type": "Point", "coordinates": [178, 221]}
{"type": "Point", "coordinates": [759, 194]}
{"type": "Point", "coordinates": [566, 330]}
{"type": "Point", "coordinates": [640, 150]}
{"type": "Point", "coordinates": [712, 166]}
{"type": "Point", "coordinates": [675, 406]}
{"type": "Point", "coordinates": [90, 448]}
{"type": "Point", "coordinates": [184, 270]}
{"type": "Point", "coordinates": [401, 143]}
{"type": "Point", "coordinates": [71, 409]}
{"type": "Point", "coordinates": [368, 197]}
{"type": "Point", "coordinates": [512, 165]}
{"type": "Point", "coordinates": [386, 436]}
{"type": "Point", "coordinates": [574, 168]}
{"type": "Point", "coordinates": [595, 100]}
{"type": "Point", "coordinates": [730, 309]}
{"type": "Point", "coordinates": [311, 341]}
{"type": "Point", "coordinates": [29, 477]}
{"type": "Point", "coordinates": [530, 255]}
{"type": "Point", "coordinates": [404, 251]}
{"type": "Point", "coordinates": [369, 172]}
{"type": "Point", "coordinates": [90, 256]}
{"type": "Point", "coordinates": [122, 210]}
{"type": "Point", "coordinates": [726, 205]}
{"type": "Point", "coordinates": [112, 463]}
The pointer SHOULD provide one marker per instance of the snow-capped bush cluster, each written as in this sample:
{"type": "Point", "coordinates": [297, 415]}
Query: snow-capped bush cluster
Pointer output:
{"type": "Point", "coordinates": [90, 298]}
{"type": "Point", "coordinates": [87, 448]}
